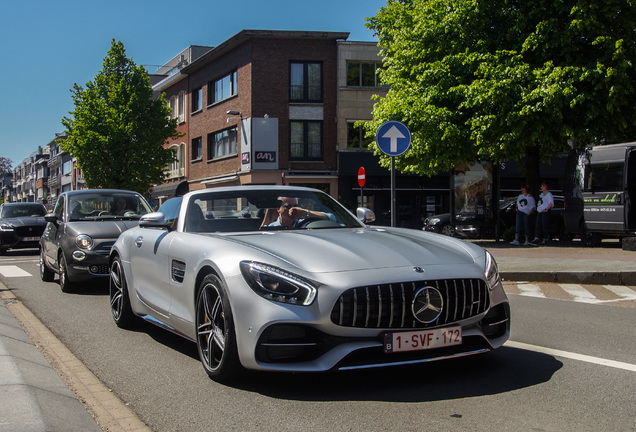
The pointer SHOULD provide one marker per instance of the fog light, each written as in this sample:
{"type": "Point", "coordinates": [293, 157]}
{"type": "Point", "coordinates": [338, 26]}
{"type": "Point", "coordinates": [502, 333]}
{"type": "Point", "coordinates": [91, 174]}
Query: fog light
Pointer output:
{"type": "Point", "coordinates": [94, 269]}
{"type": "Point", "coordinates": [79, 255]}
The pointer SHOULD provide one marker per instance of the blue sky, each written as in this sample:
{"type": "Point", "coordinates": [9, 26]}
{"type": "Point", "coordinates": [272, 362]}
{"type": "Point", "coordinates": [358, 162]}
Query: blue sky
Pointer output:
{"type": "Point", "coordinates": [47, 46]}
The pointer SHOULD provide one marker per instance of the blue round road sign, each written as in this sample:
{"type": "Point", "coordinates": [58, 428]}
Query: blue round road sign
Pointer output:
{"type": "Point", "coordinates": [393, 138]}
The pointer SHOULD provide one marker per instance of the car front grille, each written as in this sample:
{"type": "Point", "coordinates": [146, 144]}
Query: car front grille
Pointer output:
{"type": "Point", "coordinates": [390, 305]}
{"type": "Point", "coordinates": [104, 248]}
{"type": "Point", "coordinates": [29, 231]}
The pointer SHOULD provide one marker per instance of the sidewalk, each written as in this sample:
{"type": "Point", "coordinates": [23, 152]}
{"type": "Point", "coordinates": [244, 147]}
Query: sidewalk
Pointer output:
{"type": "Point", "coordinates": [33, 397]}
{"type": "Point", "coordinates": [37, 373]}
{"type": "Point", "coordinates": [564, 262]}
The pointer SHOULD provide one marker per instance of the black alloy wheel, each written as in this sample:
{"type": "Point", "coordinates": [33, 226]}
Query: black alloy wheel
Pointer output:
{"type": "Point", "coordinates": [447, 229]}
{"type": "Point", "coordinates": [65, 284]}
{"type": "Point", "coordinates": [119, 299]}
{"type": "Point", "coordinates": [46, 274]}
{"type": "Point", "coordinates": [216, 339]}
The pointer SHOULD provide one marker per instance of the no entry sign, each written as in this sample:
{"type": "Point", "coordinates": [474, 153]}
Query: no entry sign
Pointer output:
{"type": "Point", "coordinates": [361, 177]}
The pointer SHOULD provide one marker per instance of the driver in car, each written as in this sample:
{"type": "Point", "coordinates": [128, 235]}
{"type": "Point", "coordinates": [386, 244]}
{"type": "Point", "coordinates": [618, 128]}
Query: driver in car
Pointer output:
{"type": "Point", "coordinates": [292, 216]}
{"type": "Point", "coordinates": [120, 207]}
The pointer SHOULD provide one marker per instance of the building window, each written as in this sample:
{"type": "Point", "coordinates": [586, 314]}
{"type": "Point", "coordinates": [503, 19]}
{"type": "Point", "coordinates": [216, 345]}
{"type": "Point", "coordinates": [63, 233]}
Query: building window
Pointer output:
{"type": "Point", "coordinates": [305, 82]}
{"type": "Point", "coordinates": [176, 167]}
{"type": "Point", "coordinates": [305, 140]}
{"type": "Point", "coordinates": [222, 88]}
{"type": "Point", "coordinates": [223, 143]}
{"type": "Point", "coordinates": [197, 149]}
{"type": "Point", "coordinates": [172, 103]}
{"type": "Point", "coordinates": [197, 99]}
{"type": "Point", "coordinates": [363, 74]}
{"type": "Point", "coordinates": [356, 138]}
{"type": "Point", "coordinates": [181, 107]}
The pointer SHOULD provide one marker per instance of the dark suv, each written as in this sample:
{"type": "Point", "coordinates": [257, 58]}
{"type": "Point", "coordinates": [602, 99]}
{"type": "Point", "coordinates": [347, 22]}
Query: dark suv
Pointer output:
{"type": "Point", "coordinates": [21, 225]}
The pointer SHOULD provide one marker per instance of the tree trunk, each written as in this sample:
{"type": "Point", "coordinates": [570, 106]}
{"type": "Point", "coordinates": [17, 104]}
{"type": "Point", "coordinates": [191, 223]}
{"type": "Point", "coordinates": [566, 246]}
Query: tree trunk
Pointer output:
{"type": "Point", "coordinates": [532, 168]}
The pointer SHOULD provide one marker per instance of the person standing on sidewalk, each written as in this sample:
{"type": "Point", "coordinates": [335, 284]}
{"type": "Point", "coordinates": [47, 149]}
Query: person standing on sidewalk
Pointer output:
{"type": "Point", "coordinates": [542, 230]}
{"type": "Point", "coordinates": [525, 207]}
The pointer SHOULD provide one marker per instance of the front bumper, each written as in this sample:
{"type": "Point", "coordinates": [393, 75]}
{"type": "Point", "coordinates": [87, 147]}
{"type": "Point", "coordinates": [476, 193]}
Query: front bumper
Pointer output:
{"type": "Point", "coordinates": [306, 339]}
{"type": "Point", "coordinates": [89, 264]}
{"type": "Point", "coordinates": [12, 240]}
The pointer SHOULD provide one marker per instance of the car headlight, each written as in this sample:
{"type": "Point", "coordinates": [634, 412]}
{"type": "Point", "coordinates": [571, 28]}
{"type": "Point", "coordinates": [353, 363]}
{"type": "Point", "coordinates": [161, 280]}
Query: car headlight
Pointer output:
{"type": "Point", "coordinates": [6, 227]}
{"type": "Point", "coordinates": [491, 271]}
{"type": "Point", "coordinates": [277, 285]}
{"type": "Point", "coordinates": [84, 241]}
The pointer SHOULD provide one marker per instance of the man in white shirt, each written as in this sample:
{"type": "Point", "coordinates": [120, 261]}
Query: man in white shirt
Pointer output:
{"type": "Point", "coordinates": [542, 229]}
{"type": "Point", "coordinates": [525, 207]}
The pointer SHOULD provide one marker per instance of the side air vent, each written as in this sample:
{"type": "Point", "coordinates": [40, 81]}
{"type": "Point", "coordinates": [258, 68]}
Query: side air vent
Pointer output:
{"type": "Point", "coordinates": [178, 271]}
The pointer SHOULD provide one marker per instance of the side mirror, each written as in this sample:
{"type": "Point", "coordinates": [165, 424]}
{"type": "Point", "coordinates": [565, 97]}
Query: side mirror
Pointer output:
{"type": "Point", "coordinates": [50, 217]}
{"type": "Point", "coordinates": [365, 215]}
{"type": "Point", "coordinates": [153, 220]}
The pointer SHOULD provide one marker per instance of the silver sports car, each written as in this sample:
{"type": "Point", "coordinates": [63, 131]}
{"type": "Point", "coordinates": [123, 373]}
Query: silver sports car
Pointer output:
{"type": "Point", "coordinates": [286, 279]}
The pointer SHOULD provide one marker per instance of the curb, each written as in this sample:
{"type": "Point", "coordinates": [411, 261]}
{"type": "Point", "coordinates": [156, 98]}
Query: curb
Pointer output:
{"type": "Point", "coordinates": [590, 278]}
{"type": "Point", "coordinates": [110, 413]}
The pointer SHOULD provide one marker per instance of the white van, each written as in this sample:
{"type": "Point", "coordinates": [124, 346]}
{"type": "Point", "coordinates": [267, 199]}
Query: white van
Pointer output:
{"type": "Point", "coordinates": [601, 192]}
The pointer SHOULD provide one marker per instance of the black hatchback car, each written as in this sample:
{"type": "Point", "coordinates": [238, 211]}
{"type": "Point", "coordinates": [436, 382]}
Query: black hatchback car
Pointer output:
{"type": "Point", "coordinates": [21, 225]}
{"type": "Point", "coordinates": [81, 230]}
{"type": "Point", "coordinates": [507, 219]}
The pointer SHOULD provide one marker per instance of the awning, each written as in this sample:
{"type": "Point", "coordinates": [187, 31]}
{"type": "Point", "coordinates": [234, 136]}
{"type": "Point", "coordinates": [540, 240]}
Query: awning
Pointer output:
{"type": "Point", "coordinates": [169, 190]}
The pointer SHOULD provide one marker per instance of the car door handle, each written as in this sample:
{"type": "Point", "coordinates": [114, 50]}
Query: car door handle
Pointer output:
{"type": "Point", "coordinates": [139, 241]}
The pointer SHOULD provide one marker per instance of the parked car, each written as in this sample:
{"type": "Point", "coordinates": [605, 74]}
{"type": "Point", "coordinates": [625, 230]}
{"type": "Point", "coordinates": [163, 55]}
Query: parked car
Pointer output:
{"type": "Point", "coordinates": [21, 225]}
{"type": "Point", "coordinates": [601, 191]}
{"type": "Point", "coordinates": [507, 219]}
{"type": "Point", "coordinates": [81, 230]}
{"type": "Point", "coordinates": [329, 293]}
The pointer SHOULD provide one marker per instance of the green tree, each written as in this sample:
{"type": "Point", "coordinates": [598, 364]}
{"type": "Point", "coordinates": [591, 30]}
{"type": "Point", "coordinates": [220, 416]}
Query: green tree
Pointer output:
{"type": "Point", "coordinates": [6, 166]}
{"type": "Point", "coordinates": [117, 129]}
{"type": "Point", "coordinates": [504, 79]}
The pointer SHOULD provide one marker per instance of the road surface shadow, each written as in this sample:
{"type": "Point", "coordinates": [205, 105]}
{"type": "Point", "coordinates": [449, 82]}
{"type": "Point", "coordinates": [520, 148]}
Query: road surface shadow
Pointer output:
{"type": "Point", "coordinates": [500, 371]}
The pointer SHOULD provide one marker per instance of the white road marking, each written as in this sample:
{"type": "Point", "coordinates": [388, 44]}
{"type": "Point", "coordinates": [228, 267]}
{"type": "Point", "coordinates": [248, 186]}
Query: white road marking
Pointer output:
{"type": "Point", "coordinates": [530, 290]}
{"type": "Point", "coordinates": [622, 291]}
{"type": "Point", "coordinates": [573, 356]}
{"type": "Point", "coordinates": [13, 271]}
{"type": "Point", "coordinates": [579, 293]}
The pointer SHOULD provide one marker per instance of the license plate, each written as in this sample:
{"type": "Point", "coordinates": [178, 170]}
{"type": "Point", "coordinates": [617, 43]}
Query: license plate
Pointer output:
{"type": "Point", "coordinates": [422, 339]}
{"type": "Point", "coordinates": [30, 238]}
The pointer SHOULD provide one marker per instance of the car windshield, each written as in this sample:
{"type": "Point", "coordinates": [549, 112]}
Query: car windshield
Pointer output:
{"type": "Point", "coordinates": [22, 210]}
{"type": "Point", "coordinates": [107, 206]}
{"type": "Point", "coordinates": [275, 209]}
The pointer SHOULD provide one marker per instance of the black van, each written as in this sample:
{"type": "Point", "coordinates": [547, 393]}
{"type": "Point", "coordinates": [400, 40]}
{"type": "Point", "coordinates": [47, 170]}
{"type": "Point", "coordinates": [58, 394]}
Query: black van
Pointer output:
{"type": "Point", "coordinates": [601, 192]}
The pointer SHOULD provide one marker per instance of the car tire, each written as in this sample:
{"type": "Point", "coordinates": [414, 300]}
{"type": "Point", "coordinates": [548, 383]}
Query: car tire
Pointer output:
{"type": "Point", "coordinates": [590, 239]}
{"type": "Point", "coordinates": [46, 274]}
{"type": "Point", "coordinates": [65, 284]}
{"type": "Point", "coordinates": [447, 229]}
{"type": "Point", "coordinates": [119, 299]}
{"type": "Point", "coordinates": [216, 338]}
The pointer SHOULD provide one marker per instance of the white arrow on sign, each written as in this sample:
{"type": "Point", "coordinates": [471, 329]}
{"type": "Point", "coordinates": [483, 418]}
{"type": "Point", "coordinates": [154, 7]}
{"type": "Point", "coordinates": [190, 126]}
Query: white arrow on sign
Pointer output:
{"type": "Point", "coordinates": [393, 134]}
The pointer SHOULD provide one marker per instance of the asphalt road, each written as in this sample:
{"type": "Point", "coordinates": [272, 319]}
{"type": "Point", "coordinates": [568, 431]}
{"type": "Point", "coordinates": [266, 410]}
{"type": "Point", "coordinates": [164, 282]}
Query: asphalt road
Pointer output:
{"type": "Point", "coordinates": [159, 375]}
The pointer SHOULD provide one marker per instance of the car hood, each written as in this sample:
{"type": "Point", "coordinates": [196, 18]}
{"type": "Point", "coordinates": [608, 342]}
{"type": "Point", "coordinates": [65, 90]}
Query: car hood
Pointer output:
{"type": "Point", "coordinates": [102, 229]}
{"type": "Point", "coordinates": [25, 221]}
{"type": "Point", "coordinates": [334, 250]}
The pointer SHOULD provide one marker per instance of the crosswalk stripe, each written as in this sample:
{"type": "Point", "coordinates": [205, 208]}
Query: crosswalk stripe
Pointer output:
{"type": "Point", "coordinates": [621, 291]}
{"type": "Point", "coordinates": [591, 294]}
{"type": "Point", "coordinates": [13, 271]}
{"type": "Point", "coordinates": [579, 293]}
{"type": "Point", "coordinates": [530, 290]}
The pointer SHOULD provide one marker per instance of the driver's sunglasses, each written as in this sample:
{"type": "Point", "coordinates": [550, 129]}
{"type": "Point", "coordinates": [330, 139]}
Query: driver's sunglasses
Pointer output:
{"type": "Point", "coordinates": [288, 206]}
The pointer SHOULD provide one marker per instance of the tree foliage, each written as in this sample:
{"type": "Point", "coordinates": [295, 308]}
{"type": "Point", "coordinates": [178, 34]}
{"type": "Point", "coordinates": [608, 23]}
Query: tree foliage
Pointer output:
{"type": "Point", "coordinates": [117, 129]}
{"type": "Point", "coordinates": [6, 166]}
{"type": "Point", "coordinates": [504, 79]}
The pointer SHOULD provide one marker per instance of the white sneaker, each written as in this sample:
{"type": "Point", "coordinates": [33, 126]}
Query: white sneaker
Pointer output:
{"type": "Point", "coordinates": [527, 243]}
{"type": "Point", "coordinates": [515, 242]}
